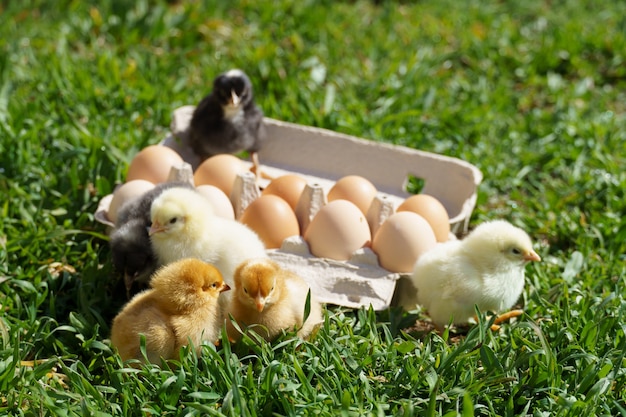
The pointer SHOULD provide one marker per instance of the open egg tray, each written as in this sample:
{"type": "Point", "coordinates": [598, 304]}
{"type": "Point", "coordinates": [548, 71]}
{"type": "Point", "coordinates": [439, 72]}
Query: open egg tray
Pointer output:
{"type": "Point", "coordinates": [322, 157]}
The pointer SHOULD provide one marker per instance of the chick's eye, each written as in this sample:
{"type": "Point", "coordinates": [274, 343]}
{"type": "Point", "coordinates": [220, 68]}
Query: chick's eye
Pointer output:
{"type": "Point", "coordinates": [245, 290]}
{"type": "Point", "coordinates": [173, 220]}
{"type": "Point", "coordinates": [516, 251]}
{"type": "Point", "coordinates": [214, 285]}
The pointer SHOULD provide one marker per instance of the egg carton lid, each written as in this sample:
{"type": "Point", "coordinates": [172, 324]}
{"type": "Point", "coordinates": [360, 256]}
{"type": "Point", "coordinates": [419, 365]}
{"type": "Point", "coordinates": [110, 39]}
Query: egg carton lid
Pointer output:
{"type": "Point", "coordinates": [321, 157]}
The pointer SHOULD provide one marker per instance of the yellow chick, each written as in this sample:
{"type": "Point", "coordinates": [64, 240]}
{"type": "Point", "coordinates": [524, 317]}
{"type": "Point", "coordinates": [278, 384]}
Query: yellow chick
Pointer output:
{"type": "Point", "coordinates": [181, 307]}
{"type": "Point", "coordinates": [272, 298]}
{"type": "Point", "coordinates": [184, 225]}
{"type": "Point", "coordinates": [485, 269]}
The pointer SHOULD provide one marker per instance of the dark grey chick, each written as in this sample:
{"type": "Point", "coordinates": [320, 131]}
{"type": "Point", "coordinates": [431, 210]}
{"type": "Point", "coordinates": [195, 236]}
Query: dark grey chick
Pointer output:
{"type": "Point", "coordinates": [228, 120]}
{"type": "Point", "coordinates": [131, 251]}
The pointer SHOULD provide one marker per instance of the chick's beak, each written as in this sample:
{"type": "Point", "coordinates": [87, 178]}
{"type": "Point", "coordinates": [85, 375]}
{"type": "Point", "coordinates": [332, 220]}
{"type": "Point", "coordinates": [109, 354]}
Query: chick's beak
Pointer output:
{"type": "Point", "coordinates": [532, 256]}
{"type": "Point", "coordinates": [260, 303]}
{"type": "Point", "coordinates": [225, 287]}
{"type": "Point", "coordinates": [235, 99]}
{"type": "Point", "coordinates": [156, 227]}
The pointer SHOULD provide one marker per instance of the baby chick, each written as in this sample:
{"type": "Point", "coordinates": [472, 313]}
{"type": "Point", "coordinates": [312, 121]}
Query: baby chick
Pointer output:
{"type": "Point", "coordinates": [228, 120]}
{"type": "Point", "coordinates": [181, 307]}
{"type": "Point", "coordinates": [184, 226]}
{"type": "Point", "coordinates": [131, 252]}
{"type": "Point", "coordinates": [274, 298]}
{"type": "Point", "coordinates": [484, 269]}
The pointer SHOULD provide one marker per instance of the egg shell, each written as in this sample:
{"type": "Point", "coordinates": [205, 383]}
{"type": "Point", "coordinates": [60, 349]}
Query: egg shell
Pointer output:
{"type": "Point", "coordinates": [338, 229]}
{"type": "Point", "coordinates": [289, 187]}
{"type": "Point", "coordinates": [272, 219]}
{"type": "Point", "coordinates": [401, 239]}
{"type": "Point", "coordinates": [220, 201]}
{"type": "Point", "coordinates": [354, 188]}
{"type": "Point", "coordinates": [432, 210]}
{"type": "Point", "coordinates": [220, 171]}
{"type": "Point", "coordinates": [153, 163]}
{"type": "Point", "coordinates": [127, 192]}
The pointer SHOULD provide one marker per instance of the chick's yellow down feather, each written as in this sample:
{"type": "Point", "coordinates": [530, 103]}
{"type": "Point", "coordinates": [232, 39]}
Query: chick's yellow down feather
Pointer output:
{"type": "Point", "coordinates": [181, 307]}
{"type": "Point", "coordinates": [271, 299]}
{"type": "Point", "coordinates": [485, 269]}
{"type": "Point", "coordinates": [184, 226]}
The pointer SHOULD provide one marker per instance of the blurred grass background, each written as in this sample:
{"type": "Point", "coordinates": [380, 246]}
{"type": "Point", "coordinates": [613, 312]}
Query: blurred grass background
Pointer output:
{"type": "Point", "coordinates": [533, 93]}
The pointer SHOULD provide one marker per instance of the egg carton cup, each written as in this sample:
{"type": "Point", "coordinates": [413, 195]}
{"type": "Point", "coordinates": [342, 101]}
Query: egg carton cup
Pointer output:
{"type": "Point", "coordinates": [321, 157]}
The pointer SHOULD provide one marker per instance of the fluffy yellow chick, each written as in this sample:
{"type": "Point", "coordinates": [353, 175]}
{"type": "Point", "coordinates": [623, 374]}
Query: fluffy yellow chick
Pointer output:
{"type": "Point", "coordinates": [181, 307]}
{"type": "Point", "coordinates": [273, 298]}
{"type": "Point", "coordinates": [184, 226]}
{"type": "Point", "coordinates": [484, 269]}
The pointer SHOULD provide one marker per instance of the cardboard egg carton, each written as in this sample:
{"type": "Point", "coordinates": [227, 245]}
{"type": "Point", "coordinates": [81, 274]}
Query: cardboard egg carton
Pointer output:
{"type": "Point", "coordinates": [322, 157]}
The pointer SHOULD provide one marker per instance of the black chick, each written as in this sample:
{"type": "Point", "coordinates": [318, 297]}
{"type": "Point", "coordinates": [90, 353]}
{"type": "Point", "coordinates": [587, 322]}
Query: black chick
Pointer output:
{"type": "Point", "coordinates": [228, 120]}
{"type": "Point", "coordinates": [131, 250]}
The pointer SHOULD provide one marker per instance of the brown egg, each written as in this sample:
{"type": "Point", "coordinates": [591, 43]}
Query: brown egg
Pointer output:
{"type": "Point", "coordinates": [272, 219]}
{"type": "Point", "coordinates": [288, 187]}
{"type": "Point", "coordinates": [220, 171]}
{"type": "Point", "coordinates": [432, 210]}
{"type": "Point", "coordinates": [401, 239]}
{"type": "Point", "coordinates": [355, 189]}
{"type": "Point", "coordinates": [337, 230]}
{"type": "Point", "coordinates": [220, 202]}
{"type": "Point", "coordinates": [153, 163]}
{"type": "Point", "coordinates": [125, 193]}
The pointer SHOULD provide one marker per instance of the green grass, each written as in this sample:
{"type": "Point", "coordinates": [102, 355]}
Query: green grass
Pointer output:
{"type": "Point", "coordinates": [533, 93]}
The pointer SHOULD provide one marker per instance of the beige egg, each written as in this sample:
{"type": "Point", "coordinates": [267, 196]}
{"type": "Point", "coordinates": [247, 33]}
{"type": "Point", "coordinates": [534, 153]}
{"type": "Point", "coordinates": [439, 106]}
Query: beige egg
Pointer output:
{"type": "Point", "coordinates": [337, 230]}
{"type": "Point", "coordinates": [127, 192]}
{"type": "Point", "coordinates": [289, 187]}
{"type": "Point", "coordinates": [220, 202]}
{"type": "Point", "coordinates": [432, 210]}
{"type": "Point", "coordinates": [272, 219]}
{"type": "Point", "coordinates": [153, 163]}
{"type": "Point", "coordinates": [220, 171]}
{"type": "Point", "coordinates": [401, 239]}
{"type": "Point", "coordinates": [355, 189]}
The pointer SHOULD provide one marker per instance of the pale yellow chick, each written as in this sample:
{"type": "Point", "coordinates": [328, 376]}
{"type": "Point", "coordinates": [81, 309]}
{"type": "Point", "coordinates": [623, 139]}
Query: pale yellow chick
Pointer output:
{"type": "Point", "coordinates": [181, 307]}
{"type": "Point", "coordinates": [270, 299]}
{"type": "Point", "coordinates": [184, 225]}
{"type": "Point", "coordinates": [485, 269]}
